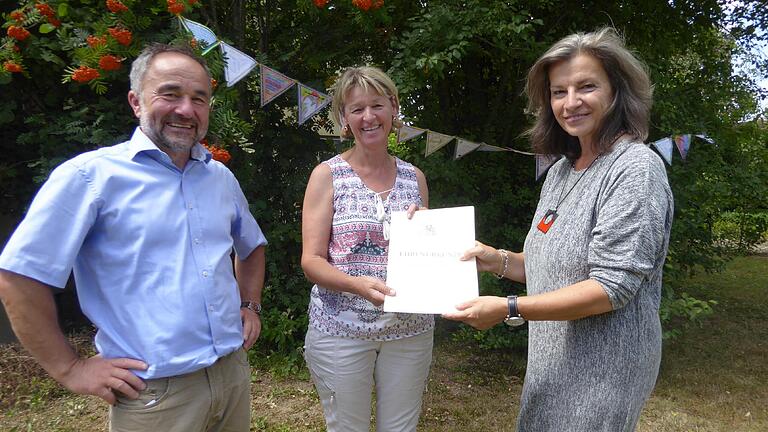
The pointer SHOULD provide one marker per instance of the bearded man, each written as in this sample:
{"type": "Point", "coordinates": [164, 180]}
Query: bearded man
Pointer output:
{"type": "Point", "coordinates": [148, 226]}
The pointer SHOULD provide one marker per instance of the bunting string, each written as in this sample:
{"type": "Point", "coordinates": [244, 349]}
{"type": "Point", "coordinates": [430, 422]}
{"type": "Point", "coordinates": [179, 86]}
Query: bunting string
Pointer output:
{"type": "Point", "coordinates": [311, 101]}
{"type": "Point", "coordinates": [273, 83]}
{"type": "Point", "coordinates": [436, 140]}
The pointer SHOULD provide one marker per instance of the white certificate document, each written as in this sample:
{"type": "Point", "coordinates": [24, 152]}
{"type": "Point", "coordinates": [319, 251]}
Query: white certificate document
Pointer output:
{"type": "Point", "coordinates": [423, 265]}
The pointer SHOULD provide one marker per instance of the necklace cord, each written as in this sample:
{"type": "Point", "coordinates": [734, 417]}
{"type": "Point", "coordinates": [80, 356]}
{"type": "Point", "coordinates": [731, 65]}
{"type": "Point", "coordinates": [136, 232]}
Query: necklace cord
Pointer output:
{"type": "Point", "coordinates": [562, 198]}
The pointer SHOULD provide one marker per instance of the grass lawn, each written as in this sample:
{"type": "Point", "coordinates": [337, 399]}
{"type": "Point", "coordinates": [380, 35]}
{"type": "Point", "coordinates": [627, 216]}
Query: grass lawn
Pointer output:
{"type": "Point", "coordinates": [713, 378]}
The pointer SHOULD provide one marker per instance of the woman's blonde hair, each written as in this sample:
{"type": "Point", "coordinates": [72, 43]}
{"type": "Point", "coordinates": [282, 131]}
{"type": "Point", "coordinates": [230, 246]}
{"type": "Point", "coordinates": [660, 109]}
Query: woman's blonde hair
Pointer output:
{"type": "Point", "coordinates": [365, 77]}
{"type": "Point", "coordinates": [629, 112]}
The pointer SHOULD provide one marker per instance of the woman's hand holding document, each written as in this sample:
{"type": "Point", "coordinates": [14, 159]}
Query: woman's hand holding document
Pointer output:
{"type": "Point", "coordinates": [424, 267]}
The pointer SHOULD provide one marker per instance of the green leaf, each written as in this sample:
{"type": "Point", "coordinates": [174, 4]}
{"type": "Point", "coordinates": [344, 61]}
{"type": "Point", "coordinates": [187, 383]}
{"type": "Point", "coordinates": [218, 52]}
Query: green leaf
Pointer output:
{"type": "Point", "coordinates": [46, 28]}
{"type": "Point", "coordinates": [51, 57]}
{"type": "Point", "coordinates": [63, 10]}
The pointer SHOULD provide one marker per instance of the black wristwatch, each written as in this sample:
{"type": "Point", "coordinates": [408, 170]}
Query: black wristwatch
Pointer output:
{"type": "Point", "coordinates": [513, 318]}
{"type": "Point", "coordinates": [253, 306]}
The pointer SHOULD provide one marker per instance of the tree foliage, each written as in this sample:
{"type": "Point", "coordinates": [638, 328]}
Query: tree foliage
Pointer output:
{"type": "Point", "coordinates": [460, 65]}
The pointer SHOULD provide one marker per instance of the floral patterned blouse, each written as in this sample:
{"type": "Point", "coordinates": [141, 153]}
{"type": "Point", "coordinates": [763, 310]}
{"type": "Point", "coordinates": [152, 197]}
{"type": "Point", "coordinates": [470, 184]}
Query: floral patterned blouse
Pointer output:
{"type": "Point", "coordinates": [358, 248]}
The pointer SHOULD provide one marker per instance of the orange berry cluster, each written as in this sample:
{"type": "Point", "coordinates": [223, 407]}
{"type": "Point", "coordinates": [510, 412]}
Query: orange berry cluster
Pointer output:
{"type": "Point", "coordinates": [320, 3]}
{"type": "Point", "coordinates": [217, 153]}
{"type": "Point", "coordinates": [109, 62]}
{"type": "Point", "coordinates": [84, 74]}
{"type": "Point", "coordinates": [116, 6]}
{"type": "Point", "coordinates": [18, 33]}
{"type": "Point", "coordinates": [17, 16]}
{"type": "Point", "coordinates": [47, 11]}
{"type": "Point", "coordinates": [122, 36]}
{"type": "Point", "coordinates": [96, 41]}
{"type": "Point", "coordinates": [175, 7]}
{"type": "Point", "coordinates": [12, 67]}
{"type": "Point", "coordinates": [365, 5]}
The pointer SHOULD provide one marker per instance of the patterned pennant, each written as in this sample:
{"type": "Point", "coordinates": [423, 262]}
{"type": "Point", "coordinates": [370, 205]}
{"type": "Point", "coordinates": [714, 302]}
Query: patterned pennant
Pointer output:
{"type": "Point", "coordinates": [201, 33]}
{"type": "Point", "coordinates": [238, 66]}
{"type": "Point", "coordinates": [310, 102]}
{"type": "Point", "coordinates": [490, 148]}
{"type": "Point", "coordinates": [408, 132]}
{"type": "Point", "coordinates": [543, 163]}
{"type": "Point", "coordinates": [464, 147]}
{"type": "Point", "coordinates": [705, 138]}
{"type": "Point", "coordinates": [273, 84]}
{"type": "Point", "coordinates": [436, 141]}
{"type": "Point", "coordinates": [683, 143]}
{"type": "Point", "coordinates": [664, 146]}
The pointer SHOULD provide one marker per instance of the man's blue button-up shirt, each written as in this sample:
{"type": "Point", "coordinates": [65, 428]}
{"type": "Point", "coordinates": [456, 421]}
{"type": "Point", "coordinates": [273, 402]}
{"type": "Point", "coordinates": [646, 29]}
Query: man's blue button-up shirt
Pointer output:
{"type": "Point", "coordinates": [150, 246]}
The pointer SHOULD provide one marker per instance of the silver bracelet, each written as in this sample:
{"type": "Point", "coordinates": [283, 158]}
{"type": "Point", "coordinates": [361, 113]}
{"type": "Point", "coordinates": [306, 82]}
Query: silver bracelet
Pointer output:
{"type": "Point", "coordinates": [504, 263]}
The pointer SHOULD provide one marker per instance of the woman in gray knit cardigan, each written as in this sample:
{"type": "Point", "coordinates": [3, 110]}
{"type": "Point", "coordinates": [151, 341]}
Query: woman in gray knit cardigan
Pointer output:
{"type": "Point", "coordinates": [593, 258]}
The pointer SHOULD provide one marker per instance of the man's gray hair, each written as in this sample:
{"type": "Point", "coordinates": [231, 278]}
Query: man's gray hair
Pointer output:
{"type": "Point", "coordinates": [141, 63]}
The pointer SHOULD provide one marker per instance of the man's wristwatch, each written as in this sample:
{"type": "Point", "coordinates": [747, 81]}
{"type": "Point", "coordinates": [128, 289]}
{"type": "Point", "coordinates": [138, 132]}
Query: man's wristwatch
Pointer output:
{"type": "Point", "coordinates": [513, 317]}
{"type": "Point", "coordinates": [253, 306]}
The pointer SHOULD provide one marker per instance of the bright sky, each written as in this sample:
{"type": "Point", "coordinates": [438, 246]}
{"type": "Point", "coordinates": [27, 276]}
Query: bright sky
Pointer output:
{"type": "Point", "coordinates": [764, 82]}
{"type": "Point", "coordinates": [761, 52]}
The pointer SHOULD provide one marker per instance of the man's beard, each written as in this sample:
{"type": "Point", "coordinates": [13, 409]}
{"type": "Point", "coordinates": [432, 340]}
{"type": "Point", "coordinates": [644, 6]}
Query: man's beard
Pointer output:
{"type": "Point", "coordinates": [160, 140]}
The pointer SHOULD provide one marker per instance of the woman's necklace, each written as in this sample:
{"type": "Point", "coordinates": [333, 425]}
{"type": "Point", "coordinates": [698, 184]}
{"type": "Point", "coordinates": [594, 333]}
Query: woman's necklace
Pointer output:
{"type": "Point", "coordinates": [549, 217]}
{"type": "Point", "coordinates": [381, 213]}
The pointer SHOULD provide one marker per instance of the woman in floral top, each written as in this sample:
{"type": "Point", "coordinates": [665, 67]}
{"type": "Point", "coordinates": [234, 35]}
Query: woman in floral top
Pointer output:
{"type": "Point", "coordinates": [351, 342]}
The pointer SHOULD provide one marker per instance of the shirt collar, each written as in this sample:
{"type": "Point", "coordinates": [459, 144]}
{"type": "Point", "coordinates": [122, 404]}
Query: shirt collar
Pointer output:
{"type": "Point", "coordinates": [200, 153]}
{"type": "Point", "coordinates": [140, 143]}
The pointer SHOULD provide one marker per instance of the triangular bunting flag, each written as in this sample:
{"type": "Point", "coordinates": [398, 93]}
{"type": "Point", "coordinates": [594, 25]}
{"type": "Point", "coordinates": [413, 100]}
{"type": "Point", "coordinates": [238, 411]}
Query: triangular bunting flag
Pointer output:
{"type": "Point", "coordinates": [273, 84]}
{"type": "Point", "coordinates": [238, 66]}
{"type": "Point", "coordinates": [664, 146]}
{"type": "Point", "coordinates": [408, 132]}
{"type": "Point", "coordinates": [310, 102]}
{"type": "Point", "coordinates": [201, 33]}
{"type": "Point", "coordinates": [705, 138]}
{"type": "Point", "coordinates": [464, 147]}
{"type": "Point", "coordinates": [543, 163]}
{"type": "Point", "coordinates": [683, 143]}
{"type": "Point", "coordinates": [436, 141]}
{"type": "Point", "coordinates": [490, 148]}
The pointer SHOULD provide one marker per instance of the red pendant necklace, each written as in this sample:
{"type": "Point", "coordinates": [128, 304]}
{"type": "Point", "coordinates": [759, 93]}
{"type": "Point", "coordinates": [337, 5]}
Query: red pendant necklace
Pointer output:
{"type": "Point", "coordinates": [551, 215]}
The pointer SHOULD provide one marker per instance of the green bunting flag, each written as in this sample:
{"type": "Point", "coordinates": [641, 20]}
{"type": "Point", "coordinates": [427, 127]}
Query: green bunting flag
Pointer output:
{"type": "Point", "coordinates": [464, 147]}
{"type": "Point", "coordinates": [436, 141]}
{"type": "Point", "coordinates": [407, 132]}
